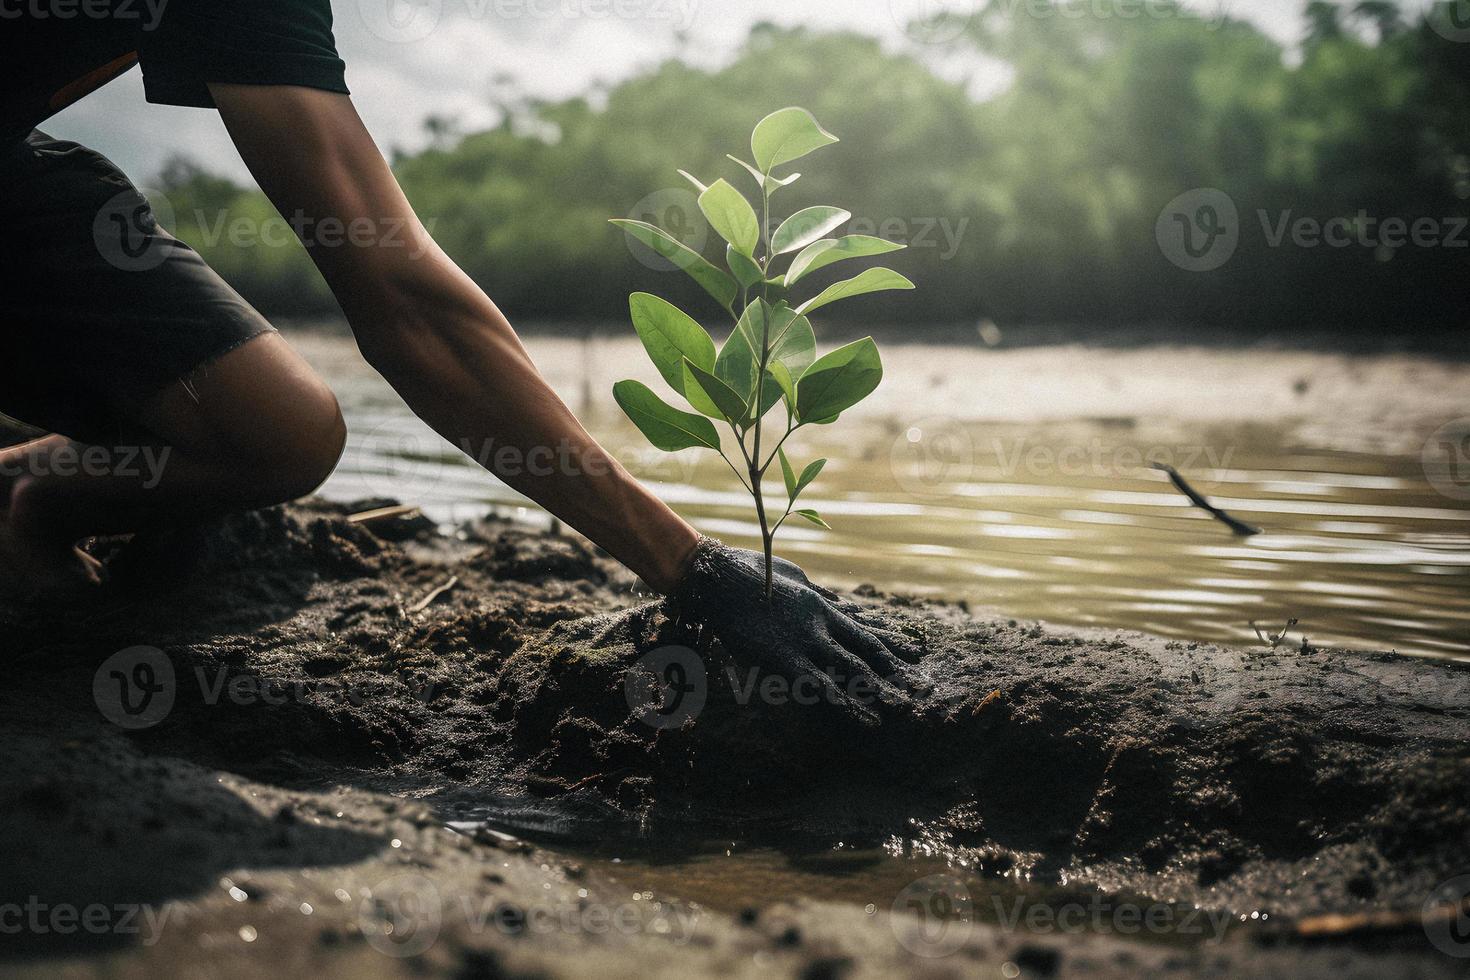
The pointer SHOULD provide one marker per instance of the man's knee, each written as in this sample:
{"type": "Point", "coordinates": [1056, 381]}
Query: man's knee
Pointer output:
{"type": "Point", "coordinates": [309, 450]}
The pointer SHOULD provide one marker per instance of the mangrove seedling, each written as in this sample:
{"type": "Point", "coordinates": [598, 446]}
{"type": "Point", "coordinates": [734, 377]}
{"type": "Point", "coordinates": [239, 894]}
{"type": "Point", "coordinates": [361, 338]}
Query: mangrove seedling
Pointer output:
{"type": "Point", "coordinates": [770, 357]}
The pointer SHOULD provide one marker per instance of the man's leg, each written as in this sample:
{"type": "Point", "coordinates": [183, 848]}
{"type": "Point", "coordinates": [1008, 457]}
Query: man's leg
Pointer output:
{"type": "Point", "coordinates": [255, 427]}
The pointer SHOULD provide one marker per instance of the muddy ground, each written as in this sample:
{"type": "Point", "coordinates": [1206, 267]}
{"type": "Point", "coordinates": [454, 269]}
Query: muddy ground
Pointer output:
{"type": "Point", "coordinates": [321, 708]}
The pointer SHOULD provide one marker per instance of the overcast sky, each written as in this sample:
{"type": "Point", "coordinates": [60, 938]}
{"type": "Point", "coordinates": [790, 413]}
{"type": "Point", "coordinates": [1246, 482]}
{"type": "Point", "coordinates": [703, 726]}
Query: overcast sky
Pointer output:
{"type": "Point", "coordinates": [407, 59]}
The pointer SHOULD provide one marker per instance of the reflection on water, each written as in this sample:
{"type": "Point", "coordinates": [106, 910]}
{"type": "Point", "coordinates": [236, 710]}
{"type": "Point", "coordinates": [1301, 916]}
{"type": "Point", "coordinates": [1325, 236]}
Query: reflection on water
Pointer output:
{"type": "Point", "coordinates": [932, 893]}
{"type": "Point", "coordinates": [1040, 503]}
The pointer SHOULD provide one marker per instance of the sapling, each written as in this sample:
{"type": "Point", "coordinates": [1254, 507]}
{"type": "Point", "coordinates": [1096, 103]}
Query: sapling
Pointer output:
{"type": "Point", "coordinates": [770, 357]}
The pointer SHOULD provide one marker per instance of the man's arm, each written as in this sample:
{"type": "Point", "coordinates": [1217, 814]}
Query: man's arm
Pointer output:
{"type": "Point", "coordinates": [427, 328]}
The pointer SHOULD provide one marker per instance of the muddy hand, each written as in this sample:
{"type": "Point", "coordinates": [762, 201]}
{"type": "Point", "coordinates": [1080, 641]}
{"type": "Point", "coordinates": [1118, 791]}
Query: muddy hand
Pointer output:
{"type": "Point", "coordinates": [801, 633]}
{"type": "Point", "coordinates": [897, 643]}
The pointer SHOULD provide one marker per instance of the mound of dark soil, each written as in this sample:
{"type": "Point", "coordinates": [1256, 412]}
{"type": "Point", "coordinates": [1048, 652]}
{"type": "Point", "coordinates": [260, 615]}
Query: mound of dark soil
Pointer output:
{"type": "Point", "coordinates": [500, 668]}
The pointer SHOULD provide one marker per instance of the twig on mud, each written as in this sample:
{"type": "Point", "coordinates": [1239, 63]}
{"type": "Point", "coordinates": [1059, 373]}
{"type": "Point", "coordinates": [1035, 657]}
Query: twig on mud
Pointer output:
{"type": "Point", "coordinates": [1334, 927]}
{"type": "Point", "coordinates": [1198, 499]}
{"type": "Point", "coordinates": [382, 514]}
{"type": "Point", "coordinates": [424, 603]}
{"type": "Point", "coordinates": [595, 778]}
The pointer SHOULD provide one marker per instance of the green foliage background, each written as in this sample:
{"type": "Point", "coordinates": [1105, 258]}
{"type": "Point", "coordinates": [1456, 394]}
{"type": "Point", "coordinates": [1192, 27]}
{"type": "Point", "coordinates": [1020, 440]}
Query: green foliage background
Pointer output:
{"type": "Point", "coordinates": [1053, 186]}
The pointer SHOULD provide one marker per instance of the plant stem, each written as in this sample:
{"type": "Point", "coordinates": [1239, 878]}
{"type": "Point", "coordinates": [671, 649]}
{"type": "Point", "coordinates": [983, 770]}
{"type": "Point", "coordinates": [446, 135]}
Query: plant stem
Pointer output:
{"type": "Point", "coordinates": [767, 536]}
{"type": "Point", "coordinates": [757, 472]}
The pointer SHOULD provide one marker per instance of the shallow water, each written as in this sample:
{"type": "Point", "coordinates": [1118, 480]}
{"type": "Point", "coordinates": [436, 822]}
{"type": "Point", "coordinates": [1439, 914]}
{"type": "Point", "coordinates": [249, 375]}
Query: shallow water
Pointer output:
{"type": "Point", "coordinates": [1017, 480]}
{"type": "Point", "coordinates": [933, 894]}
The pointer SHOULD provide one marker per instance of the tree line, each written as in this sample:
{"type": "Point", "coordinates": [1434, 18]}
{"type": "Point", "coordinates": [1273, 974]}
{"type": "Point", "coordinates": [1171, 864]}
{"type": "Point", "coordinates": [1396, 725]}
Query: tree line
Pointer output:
{"type": "Point", "coordinates": [1164, 169]}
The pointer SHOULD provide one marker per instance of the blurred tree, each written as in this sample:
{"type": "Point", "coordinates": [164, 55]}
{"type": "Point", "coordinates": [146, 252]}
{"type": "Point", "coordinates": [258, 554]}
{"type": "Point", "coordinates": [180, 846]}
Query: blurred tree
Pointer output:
{"type": "Point", "coordinates": [1038, 204]}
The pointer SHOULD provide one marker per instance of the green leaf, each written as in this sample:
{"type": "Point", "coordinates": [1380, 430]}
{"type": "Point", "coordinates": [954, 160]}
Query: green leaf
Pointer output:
{"type": "Point", "coordinates": [665, 426]}
{"type": "Point", "coordinates": [699, 185]}
{"type": "Point", "coordinates": [785, 135]}
{"type": "Point", "coordinates": [767, 183]}
{"type": "Point", "coordinates": [786, 475]}
{"type": "Point", "coordinates": [731, 215]}
{"type": "Point", "coordinates": [752, 323]}
{"type": "Point", "coordinates": [797, 346]}
{"type": "Point", "coordinates": [868, 281]}
{"type": "Point", "coordinates": [808, 475]}
{"type": "Point", "coordinates": [670, 335]}
{"type": "Point", "coordinates": [747, 273]}
{"type": "Point", "coordinates": [839, 380]}
{"type": "Point", "coordinates": [805, 227]}
{"type": "Point", "coordinates": [737, 365]}
{"type": "Point", "coordinates": [821, 254]}
{"type": "Point", "coordinates": [731, 405]}
{"type": "Point", "coordinates": [716, 283]}
{"type": "Point", "coordinates": [792, 341]}
{"type": "Point", "coordinates": [813, 516]}
{"type": "Point", "coordinates": [787, 384]}
{"type": "Point", "coordinates": [794, 484]}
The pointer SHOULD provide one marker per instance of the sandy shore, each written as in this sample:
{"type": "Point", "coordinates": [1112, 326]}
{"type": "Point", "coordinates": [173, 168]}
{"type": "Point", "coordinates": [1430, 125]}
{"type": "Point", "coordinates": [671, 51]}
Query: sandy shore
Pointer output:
{"type": "Point", "coordinates": [246, 757]}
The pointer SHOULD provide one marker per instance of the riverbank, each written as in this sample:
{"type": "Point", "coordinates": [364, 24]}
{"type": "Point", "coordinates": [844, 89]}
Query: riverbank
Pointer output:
{"type": "Point", "coordinates": [327, 696]}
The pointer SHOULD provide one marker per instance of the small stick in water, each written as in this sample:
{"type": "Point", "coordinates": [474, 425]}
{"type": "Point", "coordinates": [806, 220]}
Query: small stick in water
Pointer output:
{"type": "Point", "coordinates": [1238, 526]}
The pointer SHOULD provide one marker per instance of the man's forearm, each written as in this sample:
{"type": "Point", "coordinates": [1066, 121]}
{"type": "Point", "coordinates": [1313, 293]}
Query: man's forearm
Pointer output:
{"type": "Point", "coordinates": [461, 368]}
{"type": "Point", "coordinates": [433, 333]}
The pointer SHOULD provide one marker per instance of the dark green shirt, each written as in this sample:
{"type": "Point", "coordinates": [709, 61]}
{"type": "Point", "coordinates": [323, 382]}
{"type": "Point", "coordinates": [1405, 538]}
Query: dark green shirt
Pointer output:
{"type": "Point", "coordinates": [55, 53]}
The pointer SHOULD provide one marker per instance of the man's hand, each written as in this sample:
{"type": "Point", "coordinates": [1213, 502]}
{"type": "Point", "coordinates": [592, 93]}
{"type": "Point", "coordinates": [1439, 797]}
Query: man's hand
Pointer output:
{"type": "Point", "coordinates": [802, 633]}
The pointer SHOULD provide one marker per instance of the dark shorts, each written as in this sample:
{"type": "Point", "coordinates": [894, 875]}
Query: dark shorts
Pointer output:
{"type": "Point", "coordinates": [100, 307]}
